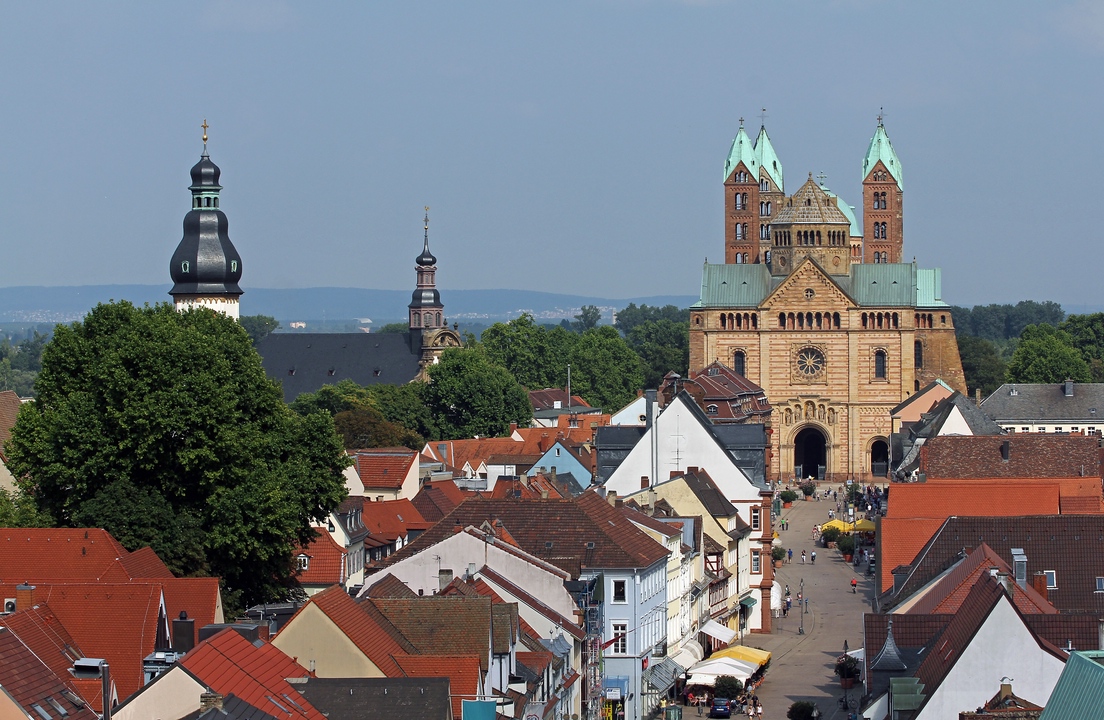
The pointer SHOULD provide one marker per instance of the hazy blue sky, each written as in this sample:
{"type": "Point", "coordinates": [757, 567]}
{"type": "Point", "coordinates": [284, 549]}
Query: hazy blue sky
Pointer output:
{"type": "Point", "coordinates": [562, 146]}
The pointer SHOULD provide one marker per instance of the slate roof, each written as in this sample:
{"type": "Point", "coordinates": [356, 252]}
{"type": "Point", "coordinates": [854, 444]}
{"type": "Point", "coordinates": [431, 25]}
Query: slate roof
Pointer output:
{"type": "Point", "coordinates": [30, 682]}
{"type": "Point", "coordinates": [233, 708]}
{"type": "Point", "coordinates": [257, 673]}
{"type": "Point", "coordinates": [372, 633]}
{"type": "Point", "coordinates": [1030, 455]}
{"type": "Point", "coordinates": [463, 672]}
{"type": "Point", "coordinates": [1046, 402]}
{"type": "Point", "coordinates": [1047, 541]}
{"type": "Point", "coordinates": [569, 533]}
{"type": "Point", "coordinates": [304, 362]}
{"type": "Point", "coordinates": [736, 398]}
{"type": "Point", "coordinates": [414, 698]}
{"type": "Point", "coordinates": [384, 468]}
{"type": "Point", "coordinates": [441, 625]}
{"type": "Point", "coordinates": [912, 635]}
{"type": "Point", "coordinates": [711, 497]}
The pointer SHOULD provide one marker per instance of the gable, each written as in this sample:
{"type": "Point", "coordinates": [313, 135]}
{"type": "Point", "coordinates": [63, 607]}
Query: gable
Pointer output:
{"type": "Point", "coordinates": [318, 643]}
{"type": "Point", "coordinates": [175, 693]}
{"type": "Point", "coordinates": [793, 290]}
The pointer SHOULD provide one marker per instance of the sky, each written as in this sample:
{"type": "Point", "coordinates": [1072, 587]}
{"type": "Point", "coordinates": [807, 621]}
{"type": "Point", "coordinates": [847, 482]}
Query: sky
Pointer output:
{"type": "Point", "coordinates": [573, 147]}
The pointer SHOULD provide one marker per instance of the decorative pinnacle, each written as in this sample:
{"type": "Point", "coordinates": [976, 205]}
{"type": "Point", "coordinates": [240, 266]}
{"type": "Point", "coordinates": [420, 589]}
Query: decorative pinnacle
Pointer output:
{"type": "Point", "coordinates": [763, 118]}
{"type": "Point", "coordinates": [741, 122]}
{"type": "Point", "coordinates": [821, 177]}
{"type": "Point", "coordinates": [881, 114]}
{"type": "Point", "coordinates": [205, 126]}
{"type": "Point", "coordinates": [427, 226]}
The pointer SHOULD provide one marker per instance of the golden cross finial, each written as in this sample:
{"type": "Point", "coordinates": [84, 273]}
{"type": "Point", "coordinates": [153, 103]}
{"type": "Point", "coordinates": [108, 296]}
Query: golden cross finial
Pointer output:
{"type": "Point", "coordinates": [205, 126]}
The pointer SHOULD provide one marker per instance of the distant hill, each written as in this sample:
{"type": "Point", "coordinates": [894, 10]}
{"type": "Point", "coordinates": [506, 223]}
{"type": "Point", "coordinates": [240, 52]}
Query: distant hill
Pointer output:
{"type": "Point", "coordinates": [313, 305]}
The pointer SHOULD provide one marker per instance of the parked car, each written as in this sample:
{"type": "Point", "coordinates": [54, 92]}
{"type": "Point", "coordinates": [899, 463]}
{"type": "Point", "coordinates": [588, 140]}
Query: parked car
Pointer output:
{"type": "Point", "coordinates": [720, 709]}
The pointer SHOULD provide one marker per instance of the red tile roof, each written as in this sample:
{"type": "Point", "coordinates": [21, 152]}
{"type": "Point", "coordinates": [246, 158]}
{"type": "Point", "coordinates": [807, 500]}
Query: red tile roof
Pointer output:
{"type": "Point", "coordinates": [944, 499]}
{"type": "Point", "coordinates": [389, 586]}
{"type": "Point", "coordinates": [228, 663]}
{"type": "Point", "coordinates": [392, 519]}
{"type": "Point", "coordinates": [199, 597]}
{"type": "Point", "coordinates": [899, 539]}
{"type": "Point", "coordinates": [1030, 455]}
{"type": "Point", "coordinates": [44, 554]}
{"type": "Point", "coordinates": [463, 672]}
{"type": "Point", "coordinates": [29, 681]}
{"type": "Point", "coordinates": [326, 561]}
{"type": "Point", "coordinates": [115, 621]}
{"type": "Point", "coordinates": [39, 629]}
{"type": "Point", "coordinates": [384, 468]}
{"type": "Point", "coordinates": [438, 498]}
{"type": "Point", "coordinates": [144, 563]}
{"type": "Point", "coordinates": [949, 593]}
{"type": "Point", "coordinates": [369, 631]}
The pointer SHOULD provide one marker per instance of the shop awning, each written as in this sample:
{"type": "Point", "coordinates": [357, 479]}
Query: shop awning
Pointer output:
{"type": "Point", "coordinates": [742, 652]}
{"type": "Point", "coordinates": [661, 675]}
{"type": "Point", "coordinates": [748, 602]}
{"type": "Point", "coordinates": [689, 654]}
{"type": "Point", "coordinates": [707, 671]}
{"type": "Point", "coordinates": [713, 628]}
{"type": "Point", "coordinates": [615, 687]}
{"type": "Point", "coordinates": [864, 526]}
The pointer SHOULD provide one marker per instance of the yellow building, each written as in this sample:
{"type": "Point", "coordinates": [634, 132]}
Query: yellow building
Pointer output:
{"type": "Point", "coordinates": [818, 316]}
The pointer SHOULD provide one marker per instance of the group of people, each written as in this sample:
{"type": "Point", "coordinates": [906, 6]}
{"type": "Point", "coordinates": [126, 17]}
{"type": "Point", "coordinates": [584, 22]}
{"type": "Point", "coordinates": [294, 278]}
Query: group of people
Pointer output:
{"type": "Point", "coordinates": [746, 702]}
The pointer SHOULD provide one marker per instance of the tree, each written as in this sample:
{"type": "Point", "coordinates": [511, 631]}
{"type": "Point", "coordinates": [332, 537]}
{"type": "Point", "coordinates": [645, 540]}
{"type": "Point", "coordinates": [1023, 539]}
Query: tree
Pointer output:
{"type": "Point", "coordinates": [801, 710]}
{"type": "Point", "coordinates": [161, 427]}
{"type": "Point", "coordinates": [259, 326]}
{"type": "Point", "coordinates": [356, 418]}
{"type": "Point", "coordinates": [405, 405]}
{"type": "Point", "coordinates": [20, 381]}
{"type": "Point", "coordinates": [469, 395]}
{"type": "Point", "coordinates": [587, 318]}
{"type": "Point", "coordinates": [727, 686]}
{"type": "Point", "coordinates": [19, 510]}
{"type": "Point", "coordinates": [604, 369]}
{"type": "Point", "coordinates": [1046, 354]}
{"type": "Point", "coordinates": [981, 364]}
{"type": "Point", "coordinates": [395, 327]}
{"type": "Point", "coordinates": [663, 346]}
{"type": "Point", "coordinates": [531, 353]}
{"type": "Point", "coordinates": [631, 316]}
{"type": "Point", "coordinates": [1087, 335]}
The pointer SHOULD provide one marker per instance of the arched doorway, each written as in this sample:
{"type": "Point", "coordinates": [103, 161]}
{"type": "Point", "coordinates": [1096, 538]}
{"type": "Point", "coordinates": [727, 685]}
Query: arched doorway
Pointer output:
{"type": "Point", "coordinates": [810, 454]}
{"type": "Point", "coordinates": [879, 458]}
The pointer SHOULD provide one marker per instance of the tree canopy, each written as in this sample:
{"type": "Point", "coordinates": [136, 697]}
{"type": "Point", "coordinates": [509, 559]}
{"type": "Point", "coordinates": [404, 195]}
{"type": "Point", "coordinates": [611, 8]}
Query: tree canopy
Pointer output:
{"type": "Point", "coordinates": [357, 419]}
{"type": "Point", "coordinates": [631, 315]}
{"type": "Point", "coordinates": [162, 428]}
{"type": "Point", "coordinates": [663, 346]}
{"type": "Point", "coordinates": [999, 323]}
{"type": "Point", "coordinates": [981, 364]}
{"type": "Point", "coordinates": [469, 395]}
{"type": "Point", "coordinates": [604, 369]}
{"type": "Point", "coordinates": [259, 326]}
{"type": "Point", "coordinates": [1046, 354]}
{"type": "Point", "coordinates": [1086, 333]}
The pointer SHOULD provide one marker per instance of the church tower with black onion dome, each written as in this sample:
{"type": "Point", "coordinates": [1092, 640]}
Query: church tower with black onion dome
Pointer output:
{"type": "Point", "coordinates": [426, 311]}
{"type": "Point", "coordinates": [206, 268]}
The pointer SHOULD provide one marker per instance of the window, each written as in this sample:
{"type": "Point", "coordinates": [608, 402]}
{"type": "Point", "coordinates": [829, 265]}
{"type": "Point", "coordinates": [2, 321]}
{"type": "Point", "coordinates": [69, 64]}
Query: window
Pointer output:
{"type": "Point", "coordinates": [620, 639]}
{"type": "Point", "coordinates": [755, 562]}
{"type": "Point", "coordinates": [1100, 584]}
{"type": "Point", "coordinates": [619, 592]}
{"type": "Point", "coordinates": [711, 409]}
{"type": "Point", "coordinates": [185, 266]}
{"type": "Point", "coordinates": [303, 562]}
{"type": "Point", "coordinates": [918, 352]}
{"type": "Point", "coordinates": [1052, 579]}
{"type": "Point", "coordinates": [739, 231]}
{"type": "Point", "coordinates": [880, 365]}
{"type": "Point", "coordinates": [1025, 429]}
{"type": "Point", "coordinates": [764, 186]}
{"type": "Point", "coordinates": [739, 362]}
{"type": "Point", "coordinates": [755, 521]}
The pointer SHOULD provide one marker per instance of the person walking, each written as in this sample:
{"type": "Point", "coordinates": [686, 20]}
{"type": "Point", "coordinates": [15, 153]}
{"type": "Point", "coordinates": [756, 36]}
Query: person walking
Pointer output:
{"type": "Point", "coordinates": [813, 558]}
{"type": "Point", "coordinates": [802, 557]}
{"type": "Point", "coordinates": [854, 585]}
{"type": "Point", "coordinates": [789, 555]}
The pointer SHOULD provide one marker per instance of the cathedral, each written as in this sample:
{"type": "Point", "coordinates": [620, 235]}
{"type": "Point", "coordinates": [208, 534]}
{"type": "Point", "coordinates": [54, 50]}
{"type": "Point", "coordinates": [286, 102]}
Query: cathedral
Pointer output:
{"type": "Point", "coordinates": [821, 312]}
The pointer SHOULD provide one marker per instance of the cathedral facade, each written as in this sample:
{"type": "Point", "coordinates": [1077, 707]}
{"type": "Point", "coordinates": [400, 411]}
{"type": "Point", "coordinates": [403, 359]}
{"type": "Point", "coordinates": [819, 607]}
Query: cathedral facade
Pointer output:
{"type": "Point", "coordinates": [821, 312]}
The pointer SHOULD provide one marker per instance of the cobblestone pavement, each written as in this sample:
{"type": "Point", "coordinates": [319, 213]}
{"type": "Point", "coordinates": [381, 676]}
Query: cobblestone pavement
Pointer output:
{"type": "Point", "coordinates": [801, 666]}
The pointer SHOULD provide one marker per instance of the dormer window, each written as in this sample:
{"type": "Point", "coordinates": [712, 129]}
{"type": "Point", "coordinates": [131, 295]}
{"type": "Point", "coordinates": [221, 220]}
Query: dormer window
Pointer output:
{"type": "Point", "coordinates": [711, 409]}
{"type": "Point", "coordinates": [303, 561]}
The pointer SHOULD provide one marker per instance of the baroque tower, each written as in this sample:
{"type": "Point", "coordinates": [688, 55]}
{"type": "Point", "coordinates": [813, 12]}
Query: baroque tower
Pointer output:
{"type": "Point", "coordinates": [206, 268]}
{"type": "Point", "coordinates": [883, 212]}
{"type": "Point", "coordinates": [426, 311]}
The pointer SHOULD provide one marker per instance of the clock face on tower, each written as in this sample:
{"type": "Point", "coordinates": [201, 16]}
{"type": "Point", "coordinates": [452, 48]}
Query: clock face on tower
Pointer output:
{"type": "Point", "coordinates": [810, 362]}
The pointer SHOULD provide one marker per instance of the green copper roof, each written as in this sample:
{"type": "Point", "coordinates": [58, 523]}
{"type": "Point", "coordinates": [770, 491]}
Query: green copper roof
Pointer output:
{"type": "Point", "coordinates": [881, 149]}
{"type": "Point", "coordinates": [869, 285]}
{"type": "Point", "coordinates": [847, 210]}
{"type": "Point", "coordinates": [768, 160]}
{"type": "Point", "coordinates": [1079, 692]}
{"type": "Point", "coordinates": [734, 285]}
{"type": "Point", "coordinates": [743, 150]}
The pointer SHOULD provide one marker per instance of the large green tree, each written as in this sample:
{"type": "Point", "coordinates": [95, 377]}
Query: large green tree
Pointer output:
{"type": "Point", "coordinates": [1087, 335]}
{"type": "Point", "coordinates": [357, 419]}
{"type": "Point", "coordinates": [663, 346]}
{"type": "Point", "coordinates": [981, 364]}
{"type": "Point", "coordinates": [631, 315]}
{"type": "Point", "coordinates": [259, 326]}
{"type": "Point", "coordinates": [469, 395]}
{"type": "Point", "coordinates": [604, 369]}
{"type": "Point", "coordinates": [1046, 354]}
{"type": "Point", "coordinates": [162, 428]}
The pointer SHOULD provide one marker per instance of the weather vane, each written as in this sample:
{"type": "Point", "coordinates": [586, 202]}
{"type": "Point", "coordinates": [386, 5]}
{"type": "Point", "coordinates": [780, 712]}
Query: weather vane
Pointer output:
{"type": "Point", "coordinates": [427, 223]}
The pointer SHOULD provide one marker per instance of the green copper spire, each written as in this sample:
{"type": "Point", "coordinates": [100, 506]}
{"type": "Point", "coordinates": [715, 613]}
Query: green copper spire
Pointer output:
{"type": "Point", "coordinates": [742, 151]}
{"type": "Point", "coordinates": [881, 149]}
{"type": "Point", "coordinates": [768, 159]}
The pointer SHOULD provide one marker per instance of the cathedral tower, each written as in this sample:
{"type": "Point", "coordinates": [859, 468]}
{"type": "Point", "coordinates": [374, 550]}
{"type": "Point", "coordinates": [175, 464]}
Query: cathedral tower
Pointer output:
{"type": "Point", "coordinates": [206, 268]}
{"type": "Point", "coordinates": [742, 201]}
{"type": "Point", "coordinates": [426, 311]}
{"type": "Point", "coordinates": [883, 218]}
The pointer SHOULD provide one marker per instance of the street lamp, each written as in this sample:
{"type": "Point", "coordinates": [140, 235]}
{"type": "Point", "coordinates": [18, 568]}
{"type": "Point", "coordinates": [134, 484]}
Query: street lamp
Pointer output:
{"type": "Point", "coordinates": [800, 600]}
{"type": "Point", "coordinates": [90, 669]}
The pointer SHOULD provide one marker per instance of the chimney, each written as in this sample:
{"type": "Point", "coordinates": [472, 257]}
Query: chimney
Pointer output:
{"type": "Point", "coordinates": [183, 633]}
{"type": "Point", "coordinates": [24, 596]}
{"type": "Point", "coordinates": [900, 575]}
{"type": "Point", "coordinates": [1069, 388]}
{"type": "Point", "coordinates": [1038, 581]}
{"type": "Point", "coordinates": [611, 496]}
{"type": "Point", "coordinates": [1019, 565]}
{"type": "Point", "coordinates": [209, 700]}
{"type": "Point", "coordinates": [977, 396]}
{"type": "Point", "coordinates": [650, 398]}
{"type": "Point", "coordinates": [674, 474]}
{"type": "Point", "coordinates": [692, 470]}
{"type": "Point", "coordinates": [1006, 582]}
{"type": "Point", "coordinates": [513, 428]}
{"type": "Point", "coordinates": [644, 482]}
{"type": "Point", "coordinates": [1005, 688]}
{"type": "Point", "coordinates": [1006, 447]}
{"type": "Point", "coordinates": [552, 475]}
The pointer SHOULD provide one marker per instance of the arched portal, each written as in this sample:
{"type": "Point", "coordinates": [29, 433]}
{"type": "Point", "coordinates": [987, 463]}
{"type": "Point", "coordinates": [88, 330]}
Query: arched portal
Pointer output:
{"type": "Point", "coordinates": [810, 453]}
{"type": "Point", "coordinates": [879, 458]}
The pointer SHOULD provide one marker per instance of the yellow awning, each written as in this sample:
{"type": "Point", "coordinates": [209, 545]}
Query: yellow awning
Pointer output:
{"type": "Point", "coordinates": [838, 524]}
{"type": "Point", "coordinates": [864, 525]}
{"type": "Point", "coordinates": [742, 652]}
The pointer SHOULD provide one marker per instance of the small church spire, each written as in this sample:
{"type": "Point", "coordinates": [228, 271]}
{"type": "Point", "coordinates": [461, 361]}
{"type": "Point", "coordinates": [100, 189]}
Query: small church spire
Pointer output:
{"type": "Point", "coordinates": [426, 245]}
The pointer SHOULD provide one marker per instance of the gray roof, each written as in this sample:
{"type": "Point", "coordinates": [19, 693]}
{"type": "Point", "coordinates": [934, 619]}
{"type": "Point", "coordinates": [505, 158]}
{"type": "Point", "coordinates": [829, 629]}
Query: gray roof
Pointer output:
{"type": "Point", "coordinates": [709, 495]}
{"type": "Point", "coordinates": [378, 698]}
{"type": "Point", "coordinates": [1046, 402]}
{"type": "Point", "coordinates": [233, 708]}
{"type": "Point", "coordinates": [931, 423]}
{"type": "Point", "coordinates": [304, 362]}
